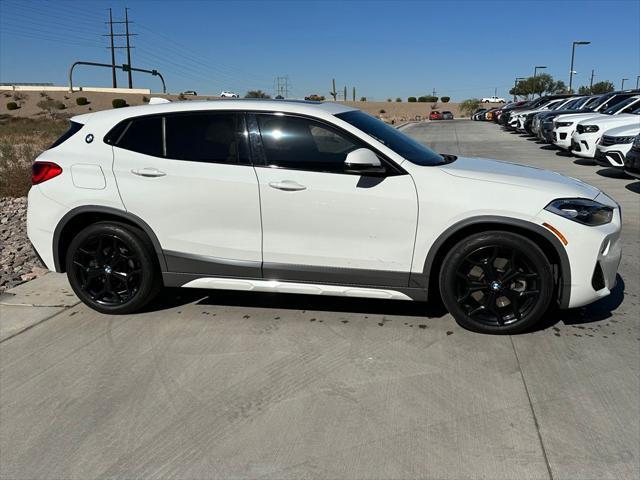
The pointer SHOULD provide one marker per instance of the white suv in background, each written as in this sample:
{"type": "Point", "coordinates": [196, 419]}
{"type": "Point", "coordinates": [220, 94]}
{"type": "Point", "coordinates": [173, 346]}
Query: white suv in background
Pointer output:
{"type": "Point", "coordinates": [228, 95]}
{"type": "Point", "coordinates": [614, 145]}
{"type": "Point", "coordinates": [320, 199]}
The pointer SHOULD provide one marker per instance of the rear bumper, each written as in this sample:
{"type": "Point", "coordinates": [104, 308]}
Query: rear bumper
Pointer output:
{"type": "Point", "coordinates": [43, 214]}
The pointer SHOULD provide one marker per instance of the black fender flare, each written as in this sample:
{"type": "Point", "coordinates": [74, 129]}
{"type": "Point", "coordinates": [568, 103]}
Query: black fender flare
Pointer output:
{"type": "Point", "coordinates": [100, 209]}
{"type": "Point", "coordinates": [422, 280]}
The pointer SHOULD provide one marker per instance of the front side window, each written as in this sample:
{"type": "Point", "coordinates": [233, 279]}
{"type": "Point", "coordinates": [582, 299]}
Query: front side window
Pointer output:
{"type": "Point", "coordinates": [303, 144]}
{"type": "Point", "coordinates": [143, 135]}
{"type": "Point", "coordinates": [392, 138]}
{"type": "Point", "coordinates": [202, 137]}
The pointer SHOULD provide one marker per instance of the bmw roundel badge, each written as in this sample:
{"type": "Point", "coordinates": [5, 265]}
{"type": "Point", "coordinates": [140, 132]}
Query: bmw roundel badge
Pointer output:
{"type": "Point", "coordinates": [89, 138]}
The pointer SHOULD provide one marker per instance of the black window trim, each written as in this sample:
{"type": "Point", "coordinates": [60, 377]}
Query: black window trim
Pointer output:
{"type": "Point", "coordinates": [392, 168]}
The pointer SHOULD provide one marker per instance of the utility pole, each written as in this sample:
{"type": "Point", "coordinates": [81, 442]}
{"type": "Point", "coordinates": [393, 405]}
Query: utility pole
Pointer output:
{"type": "Point", "coordinates": [433, 92]}
{"type": "Point", "coordinates": [353, 93]}
{"type": "Point", "coordinates": [282, 86]}
{"type": "Point", "coordinates": [622, 86]}
{"type": "Point", "coordinates": [333, 92]}
{"type": "Point", "coordinates": [573, 55]}
{"type": "Point", "coordinates": [637, 82]}
{"type": "Point", "coordinates": [126, 23]}
{"type": "Point", "coordinates": [345, 93]}
{"type": "Point", "coordinates": [114, 79]}
{"type": "Point", "coordinates": [591, 82]}
{"type": "Point", "coordinates": [515, 86]}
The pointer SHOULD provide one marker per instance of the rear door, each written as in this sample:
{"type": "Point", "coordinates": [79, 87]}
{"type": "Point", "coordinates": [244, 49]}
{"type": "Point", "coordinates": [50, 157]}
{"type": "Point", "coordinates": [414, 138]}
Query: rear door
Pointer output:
{"type": "Point", "coordinates": [188, 176]}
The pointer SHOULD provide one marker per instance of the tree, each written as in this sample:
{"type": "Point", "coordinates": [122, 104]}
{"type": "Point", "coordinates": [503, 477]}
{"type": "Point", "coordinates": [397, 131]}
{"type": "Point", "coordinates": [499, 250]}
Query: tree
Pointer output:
{"type": "Point", "coordinates": [411, 99]}
{"type": "Point", "coordinates": [602, 87]}
{"type": "Point", "coordinates": [469, 106]}
{"type": "Point", "coordinates": [256, 94]}
{"type": "Point", "coordinates": [584, 90]}
{"type": "Point", "coordinates": [398, 99]}
{"type": "Point", "coordinates": [540, 85]}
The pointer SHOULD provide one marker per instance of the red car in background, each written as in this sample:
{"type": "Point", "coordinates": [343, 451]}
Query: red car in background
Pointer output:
{"type": "Point", "coordinates": [435, 115]}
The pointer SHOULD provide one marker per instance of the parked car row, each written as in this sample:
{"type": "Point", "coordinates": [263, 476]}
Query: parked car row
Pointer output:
{"type": "Point", "coordinates": [605, 128]}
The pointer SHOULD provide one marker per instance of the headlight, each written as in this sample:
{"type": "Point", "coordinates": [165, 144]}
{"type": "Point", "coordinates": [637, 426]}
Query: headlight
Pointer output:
{"type": "Point", "coordinates": [563, 124]}
{"type": "Point", "coordinates": [624, 139]}
{"type": "Point", "coordinates": [587, 128]}
{"type": "Point", "coordinates": [587, 212]}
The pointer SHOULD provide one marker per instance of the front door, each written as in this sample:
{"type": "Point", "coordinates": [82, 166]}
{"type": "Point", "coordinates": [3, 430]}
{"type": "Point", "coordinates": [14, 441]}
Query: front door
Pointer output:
{"type": "Point", "coordinates": [320, 223]}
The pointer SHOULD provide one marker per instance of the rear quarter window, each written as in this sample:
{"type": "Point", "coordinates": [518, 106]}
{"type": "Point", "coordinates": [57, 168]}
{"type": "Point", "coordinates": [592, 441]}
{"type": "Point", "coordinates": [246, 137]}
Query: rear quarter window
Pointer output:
{"type": "Point", "coordinates": [74, 127]}
{"type": "Point", "coordinates": [143, 135]}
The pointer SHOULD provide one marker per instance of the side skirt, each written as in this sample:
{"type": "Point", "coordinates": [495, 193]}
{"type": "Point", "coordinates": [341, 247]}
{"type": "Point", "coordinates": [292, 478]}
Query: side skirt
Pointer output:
{"type": "Point", "coordinates": [189, 280]}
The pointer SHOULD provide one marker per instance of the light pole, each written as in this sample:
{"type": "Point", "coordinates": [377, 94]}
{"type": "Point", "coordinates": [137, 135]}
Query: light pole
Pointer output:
{"type": "Point", "coordinates": [535, 73]}
{"type": "Point", "coordinates": [622, 86]}
{"type": "Point", "coordinates": [573, 55]}
{"type": "Point", "coordinates": [637, 82]}
{"type": "Point", "coordinates": [515, 85]}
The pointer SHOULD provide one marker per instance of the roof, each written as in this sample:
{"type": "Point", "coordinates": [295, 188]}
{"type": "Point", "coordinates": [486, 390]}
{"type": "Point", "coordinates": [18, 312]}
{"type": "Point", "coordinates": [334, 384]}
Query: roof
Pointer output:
{"type": "Point", "coordinates": [249, 104]}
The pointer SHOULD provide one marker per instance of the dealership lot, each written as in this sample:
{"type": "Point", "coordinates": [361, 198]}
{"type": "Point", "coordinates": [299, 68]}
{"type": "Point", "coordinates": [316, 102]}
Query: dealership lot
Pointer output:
{"type": "Point", "coordinates": [236, 385]}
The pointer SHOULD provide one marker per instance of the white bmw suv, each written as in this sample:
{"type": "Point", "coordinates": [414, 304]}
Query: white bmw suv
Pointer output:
{"type": "Point", "coordinates": [312, 198]}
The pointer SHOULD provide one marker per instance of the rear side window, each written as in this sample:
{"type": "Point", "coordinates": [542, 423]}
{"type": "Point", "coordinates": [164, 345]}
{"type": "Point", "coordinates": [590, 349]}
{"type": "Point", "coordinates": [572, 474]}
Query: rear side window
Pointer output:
{"type": "Point", "coordinates": [143, 135]}
{"type": "Point", "coordinates": [74, 127]}
{"type": "Point", "coordinates": [204, 137]}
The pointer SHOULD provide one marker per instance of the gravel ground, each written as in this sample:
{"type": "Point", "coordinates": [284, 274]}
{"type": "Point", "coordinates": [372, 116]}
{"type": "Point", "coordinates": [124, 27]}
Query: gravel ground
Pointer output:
{"type": "Point", "coordinates": [18, 262]}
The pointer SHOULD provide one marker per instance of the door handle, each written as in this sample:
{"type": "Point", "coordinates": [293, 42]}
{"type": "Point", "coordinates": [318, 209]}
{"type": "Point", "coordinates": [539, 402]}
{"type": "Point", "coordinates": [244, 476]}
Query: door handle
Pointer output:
{"type": "Point", "coordinates": [287, 186]}
{"type": "Point", "coordinates": [148, 172]}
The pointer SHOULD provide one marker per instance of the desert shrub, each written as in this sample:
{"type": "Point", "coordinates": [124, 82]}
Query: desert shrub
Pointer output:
{"type": "Point", "coordinates": [445, 99]}
{"type": "Point", "coordinates": [182, 97]}
{"type": "Point", "coordinates": [469, 106]}
{"type": "Point", "coordinates": [20, 97]}
{"type": "Point", "coordinates": [59, 105]}
{"type": "Point", "coordinates": [382, 110]}
{"type": "Point", "coordinates": [7, 95]}
{"type": "Point", "coordinates": [389, 100]}
{"type": "Point", "coordinates": [363, 99]}
{"type": "Point", "coordinates": [66, 97]}
{"type": "Point", "coordinates": [427, 99]}
{"type": "Point", "coordinates": [12, 106]}
{"type": "Point", "coordinates": [118, 103]}
{"type": "Point", "coordinates": [411, 99]}
{"type": "Point", "coordinates": [398, 100]}
{"type": "Point", "coordinates": [256, 94]}
{"type": "Point", "coordinates": [43, 94]}
{"type": "Point", "coordinates": [82, 101]}
{"type": "Point", "coordinates": [145, 99]}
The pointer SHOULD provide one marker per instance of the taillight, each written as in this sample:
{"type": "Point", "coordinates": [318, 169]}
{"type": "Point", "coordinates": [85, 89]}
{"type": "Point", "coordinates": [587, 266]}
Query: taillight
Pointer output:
{"type": "Point", "coordinates": [43, 171]}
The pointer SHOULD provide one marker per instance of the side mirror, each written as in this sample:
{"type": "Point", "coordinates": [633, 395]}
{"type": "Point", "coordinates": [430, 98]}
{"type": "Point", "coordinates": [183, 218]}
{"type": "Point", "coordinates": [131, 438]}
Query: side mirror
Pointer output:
{"type": "Point", "coordinates": [363, 161]}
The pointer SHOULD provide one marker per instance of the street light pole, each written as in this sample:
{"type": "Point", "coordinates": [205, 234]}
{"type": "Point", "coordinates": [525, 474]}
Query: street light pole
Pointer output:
{"type": "Point", "coordinates": [637, 82]}
{"type": "Point", "coordinates": [535, 73]}
{"type": "Point", "coordinates": [573, 55]}
{"type": "Point", "coordinates": [623, 80]}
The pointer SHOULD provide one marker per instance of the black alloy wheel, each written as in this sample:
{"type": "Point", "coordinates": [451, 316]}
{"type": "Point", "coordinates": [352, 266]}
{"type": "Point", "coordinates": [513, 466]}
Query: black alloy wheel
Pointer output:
{"type": "Point", "coordinates": [111, 268]}
{"type": "Point", "coordinates": [496, 282]}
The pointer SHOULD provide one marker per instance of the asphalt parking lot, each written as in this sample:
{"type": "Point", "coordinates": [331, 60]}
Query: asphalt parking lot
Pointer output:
{"type": "Point", "coordinates": [237, 385]}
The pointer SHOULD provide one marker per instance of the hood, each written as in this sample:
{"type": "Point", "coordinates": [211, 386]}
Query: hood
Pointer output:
{"type": "Point", "coordinates": [628, 119]}
{"type": "Point", "coordinates": [555, 113]}
{"type": "Point", "coordinates": [520, 175]}
{"type": "Point", "coordinates": [577, 117]}
{"type": "Point", "coordinates": [624, 131]}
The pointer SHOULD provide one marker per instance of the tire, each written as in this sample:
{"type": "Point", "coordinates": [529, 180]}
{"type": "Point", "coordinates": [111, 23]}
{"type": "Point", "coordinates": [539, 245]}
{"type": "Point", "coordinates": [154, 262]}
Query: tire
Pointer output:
{"type": "Point", "coordinates": [496, 282]}
{"type": "Point", "coordinates": [112, 268]}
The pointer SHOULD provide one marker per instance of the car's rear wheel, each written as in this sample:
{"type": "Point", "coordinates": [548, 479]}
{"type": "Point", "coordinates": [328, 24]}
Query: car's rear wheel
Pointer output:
{"type": "Point", "coordinates": [112, 269]}
{"type": "Point", "coordinates": [496, 282]}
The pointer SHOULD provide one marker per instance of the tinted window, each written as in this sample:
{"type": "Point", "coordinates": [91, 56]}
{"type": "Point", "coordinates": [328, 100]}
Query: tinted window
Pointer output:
{"type": "Point", "coordinates": [202, 137]}
{"type": "Point", "coordinates": [608, 102]}
{"type": "Point", "coordinates": [397, 141]}
{"type": "Point", "coordinates": [620, 106]}
{"type": "Point", "coordinates": [299, 143]}
{"type": "Point", "coordinates": [74, 127]}
{"type": "Point", "coordinates": [143, 135]}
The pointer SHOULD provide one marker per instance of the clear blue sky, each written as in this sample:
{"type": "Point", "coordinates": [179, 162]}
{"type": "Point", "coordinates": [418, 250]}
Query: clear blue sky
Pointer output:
{"type": "Point", "coordinates": [386, 49]}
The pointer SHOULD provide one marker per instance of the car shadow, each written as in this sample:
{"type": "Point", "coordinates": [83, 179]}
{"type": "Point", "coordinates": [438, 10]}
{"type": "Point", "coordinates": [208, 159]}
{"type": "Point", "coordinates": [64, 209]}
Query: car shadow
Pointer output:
{"type": "Point", "coordinates": [595, 312]}
{"type": "Point", "coordinates": [547, 146]}
{"type": "Point", "coordinates": [633, 187]}
{"type": "Point", "coordinates": [611, 172]}
{"type": "Point", "coordinates": [175, 297]}
{"type": "Point", "coordinates": [564, 153]}
{"type": "Point", "coordinates": [584, 162]}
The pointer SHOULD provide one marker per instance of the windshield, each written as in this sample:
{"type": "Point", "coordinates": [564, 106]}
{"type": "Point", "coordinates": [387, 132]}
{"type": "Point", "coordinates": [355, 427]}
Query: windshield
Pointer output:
{"type": "Point", "coordinates": [556, 104]}
{"type": "Point", "coordinates": [589, 102]}
{"type": "Point", "coordinates": [392, 138]}
{"type": "Point", "coordinates": [620, 106]}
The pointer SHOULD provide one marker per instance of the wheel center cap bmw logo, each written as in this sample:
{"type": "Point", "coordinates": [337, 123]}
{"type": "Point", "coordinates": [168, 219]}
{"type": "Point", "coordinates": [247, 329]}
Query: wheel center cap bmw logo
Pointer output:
{"type": "Point", "coordinates": [107, 270]}
{"type": "Point", "coordinates": [495, 286]}
{"type": "Point", "coordinates": [89, 138]}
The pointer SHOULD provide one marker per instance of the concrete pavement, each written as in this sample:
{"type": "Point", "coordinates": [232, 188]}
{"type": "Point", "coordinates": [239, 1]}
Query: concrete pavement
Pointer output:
{"type": "Point", "coordinates": [237, 385]}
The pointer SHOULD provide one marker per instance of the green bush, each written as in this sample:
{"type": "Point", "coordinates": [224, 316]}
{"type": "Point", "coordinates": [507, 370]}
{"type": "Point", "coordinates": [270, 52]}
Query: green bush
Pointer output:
{"type": "Point", "coordinates": [82, 101]}
{"type": "Point", "coordinates": [389, 100]}
{"type": "Point", "coordinates": [382, 110]}
{"type": "Point", "coordinates": [363, 99]}
{"type": "Point", "coordinates": [398, 99]}
{"type": "Point", "coordinates": [12, 106]}
{"type": "Point", "coordinates": [118, 103]}
{"type": "Point", "coordinates": [427, 99]}
{"type": "Point", "coordinates": [445, 99]}
{"type": "Point", "coordinates": [145, 99]}
{"type": "Point", "coordinates": [411, 100]}
{"type": "Point", "coordinates": [469, 106]}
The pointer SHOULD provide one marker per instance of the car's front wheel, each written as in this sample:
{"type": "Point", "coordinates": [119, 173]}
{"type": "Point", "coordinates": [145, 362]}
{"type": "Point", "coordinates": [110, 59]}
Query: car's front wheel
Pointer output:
{"type": "Point", "coordinates": [496, 282]}
{"type": "Point", "coordinates": [112, 269]}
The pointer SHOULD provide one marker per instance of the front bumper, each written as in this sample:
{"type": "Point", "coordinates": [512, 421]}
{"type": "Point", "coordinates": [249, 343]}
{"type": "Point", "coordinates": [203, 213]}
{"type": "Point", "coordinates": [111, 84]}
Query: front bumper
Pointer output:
{"type": "Point", "coordinates": [584, 144]}
{"type": "Point", "coordinates": [612, 156]}
{"type": "Point", "coordinates": [594, 255]}
{"type": "Point", "coordinates": [562, 137]}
